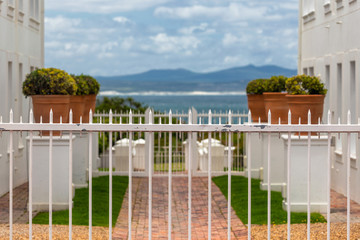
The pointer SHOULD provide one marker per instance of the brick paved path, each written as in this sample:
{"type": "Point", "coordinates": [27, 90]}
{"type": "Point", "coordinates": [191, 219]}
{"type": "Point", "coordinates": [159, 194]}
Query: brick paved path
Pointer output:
{"type": "Point", "coordinates": [338, 209]}
{"type": "Point", "coordinates": [20, 200]}
{"type": "Point", "coordinates": [179, 211]}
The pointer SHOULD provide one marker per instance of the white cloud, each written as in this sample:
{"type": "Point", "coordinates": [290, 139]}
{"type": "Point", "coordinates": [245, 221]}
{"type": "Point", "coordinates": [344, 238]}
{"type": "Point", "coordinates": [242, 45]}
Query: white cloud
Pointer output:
{"type": "Point", "coordinates": [127, 43]}
{"type": "Point", "coordinates": [216, 34]}
{"type": "Point", "coordinates": [173, 44]}
{"type": "Point", "coordinates": [231, 59]}
{"type": "Point", "coordinates": [122, 20]}
{"type": "Point", "coordinates": [103, 6]}
{"type": "Point", "coordinates": [229, 39]}
{"type": "Point", "coordinates": [202, 28]}
{"type": "Point", "coordinates": [61, 24]}
{"type": "Point", "coordinates": [232, 12]}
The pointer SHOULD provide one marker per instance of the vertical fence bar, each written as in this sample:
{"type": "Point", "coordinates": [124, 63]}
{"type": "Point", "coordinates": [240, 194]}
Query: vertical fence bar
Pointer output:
{"type": "Point", "coordinates": [229, 179]}
{"type": "Point", "coordinates": [329, 178]}
{"type": "Point", "coordinates": [110, 177]}
{"type": "Point", "coordinates": [348, 177]}
{"type": "Point", "coordinates": [288, 181]}
{"type": "Point", "coordinates": [209, 179]}
{"type": "Point", "coordinates": [268, 179]}
{"type": "Point", "coordinates": [249, 176]}
{"type": "Point", "coordinates": [130, 175]}
{"type": "Point", "coordinates": [50, 176]}
{"type": "Point", "coordinates": [308, 177]}
{"type": "Point", "coordinates": [90, 176]}
{"type": "Point", "coordinates": [70, 175]}
{"type": "Point", "coordinates": [11, 178]}
{"type": "Point", "coordinates": [189, 176]}
{"type": "Point", "coordinates": [151, 164]}
{"type": "Point", "coordinates": [30, 174]}
{"type": "Point", "coordinates": [170, 177]}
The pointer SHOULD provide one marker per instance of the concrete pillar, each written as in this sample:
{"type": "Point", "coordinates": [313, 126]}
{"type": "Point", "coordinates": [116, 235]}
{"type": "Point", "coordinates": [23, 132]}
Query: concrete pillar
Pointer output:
{"type": "Point", "coordinates": [60, 173]}
{"type": "Point", "coordinates": [299, 171]}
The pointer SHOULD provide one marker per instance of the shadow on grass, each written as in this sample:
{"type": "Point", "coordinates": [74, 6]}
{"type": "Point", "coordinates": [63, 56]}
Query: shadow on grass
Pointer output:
{"type": "Point", "coordinates": [239, 202]}
{"type": "Point", "coordinates": [100, 202]}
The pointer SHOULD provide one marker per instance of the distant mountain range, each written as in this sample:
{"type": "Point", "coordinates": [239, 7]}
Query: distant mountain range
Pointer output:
{"type": "Point", "coordinates": [175, 80]}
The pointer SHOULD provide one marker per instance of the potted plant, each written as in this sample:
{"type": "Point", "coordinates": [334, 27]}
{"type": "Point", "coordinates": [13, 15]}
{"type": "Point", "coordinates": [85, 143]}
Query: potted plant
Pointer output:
{"type": "Point", "coordinates": [90, 98]}
{"type": "Point", "coordinates": [254, 90]}
{"type": "Point", "coordinates": [77, 102]}
{"type": "Point", "coordinates": [50, 88]}
{"type": "Point", "coordinates": [275, 99]}
{"type": "Point", "coordinates": [305, 93]}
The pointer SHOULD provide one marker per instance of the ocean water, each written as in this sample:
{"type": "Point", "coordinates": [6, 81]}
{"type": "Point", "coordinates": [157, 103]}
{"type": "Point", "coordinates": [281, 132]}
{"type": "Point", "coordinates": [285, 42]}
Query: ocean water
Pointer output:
{"type": "Point", "coordinates": [201, 102]}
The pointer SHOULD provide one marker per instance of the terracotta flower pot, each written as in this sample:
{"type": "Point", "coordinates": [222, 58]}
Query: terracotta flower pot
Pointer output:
{"type": "Point", "coordinates": [276, 102]}
{"type": "Point", "coordinates": [42, 104]}
{"type": "Point", "coordinates": [77, 104]}
{"type": "Point", "coordinates": [257, 107]}
{"type": "Point", "coordinates": [90, 102]}
{"type": "Point", "coordinates": [300, 105]}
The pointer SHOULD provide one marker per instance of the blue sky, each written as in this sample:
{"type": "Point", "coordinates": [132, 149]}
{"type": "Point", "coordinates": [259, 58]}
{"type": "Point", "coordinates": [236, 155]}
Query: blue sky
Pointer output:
{"type": "Point", "coordinates": [118, 37]}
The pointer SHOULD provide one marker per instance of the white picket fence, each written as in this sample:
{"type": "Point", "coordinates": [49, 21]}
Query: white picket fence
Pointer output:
{"type": "Point", "coordinates": [169, 128]}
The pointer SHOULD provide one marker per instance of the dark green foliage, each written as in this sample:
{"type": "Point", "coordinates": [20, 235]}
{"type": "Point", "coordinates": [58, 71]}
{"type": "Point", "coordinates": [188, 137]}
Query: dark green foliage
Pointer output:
{"type": "Point", "coordinates": [239, 201]}
{"type": "Point", "coordinates": [100, 204]}
{"type": "Point", "coordinates": [93, 85]}
{"type": "Point", "coordinates": [49, 81]}
{"type": "Point", "coordinates": [305, 85]}
{"type": "Point", "coordinates": [117, 104]}
{"type": "Point", "coordinates": [82, 84]}
{"type": "Point", "coordinates": [275, 84]}
{"type": "Point", "coordinates": [256, 86]}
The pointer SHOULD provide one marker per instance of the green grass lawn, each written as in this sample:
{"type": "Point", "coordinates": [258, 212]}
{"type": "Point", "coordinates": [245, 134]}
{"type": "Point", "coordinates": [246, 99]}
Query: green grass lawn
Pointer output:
{"type": "Point", "coordinates": [100, 203]}
{"type": "Point", "coordinates": [239, 202]}
{"type": "Point", "coordinates": [164, 167]}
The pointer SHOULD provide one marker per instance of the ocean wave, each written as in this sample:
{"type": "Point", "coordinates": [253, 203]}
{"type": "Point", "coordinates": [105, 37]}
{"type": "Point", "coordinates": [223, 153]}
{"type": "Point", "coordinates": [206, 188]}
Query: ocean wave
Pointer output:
{"type": "Point", "coordinates": [155, 93]}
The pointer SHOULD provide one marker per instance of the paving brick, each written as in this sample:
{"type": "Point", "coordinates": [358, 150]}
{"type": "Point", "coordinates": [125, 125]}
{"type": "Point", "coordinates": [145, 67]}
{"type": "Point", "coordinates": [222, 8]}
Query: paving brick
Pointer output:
{"type": "Point", "coordinates": [179, 211]}
{"type": "Point", "coordinates": [20, 200]}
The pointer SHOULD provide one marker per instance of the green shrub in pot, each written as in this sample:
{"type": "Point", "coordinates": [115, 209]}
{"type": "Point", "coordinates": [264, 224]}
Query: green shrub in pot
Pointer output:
{"type": "Point", "coordinates": [275, 84]}
{"type": "Point", "coordinates": [256, 86]}
{"type": "Point", "coordinates": [305, 85]}
{"type": "Point", "coordinates": [49, 81]}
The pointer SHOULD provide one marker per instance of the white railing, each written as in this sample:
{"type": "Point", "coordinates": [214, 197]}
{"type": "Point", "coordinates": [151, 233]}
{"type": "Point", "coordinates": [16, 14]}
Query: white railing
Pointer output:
{"type": "Point", "coordinates": [169, 128]}
{"type": "Point", "coordinates": [160, 146]}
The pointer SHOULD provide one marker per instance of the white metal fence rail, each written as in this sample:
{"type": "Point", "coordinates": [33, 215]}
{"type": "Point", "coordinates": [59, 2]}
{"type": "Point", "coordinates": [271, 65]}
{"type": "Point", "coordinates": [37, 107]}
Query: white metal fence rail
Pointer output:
{"type": "Point", "coordinates": [160, 146]}
{"type": "Point", "coordinates": [170, 128]}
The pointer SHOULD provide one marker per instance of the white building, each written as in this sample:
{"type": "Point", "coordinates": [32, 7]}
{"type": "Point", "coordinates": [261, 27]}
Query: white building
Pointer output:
{"type": "Point", "coordinates": [329, 46]}
{"type": "Point", "coordinates": [21, 51]}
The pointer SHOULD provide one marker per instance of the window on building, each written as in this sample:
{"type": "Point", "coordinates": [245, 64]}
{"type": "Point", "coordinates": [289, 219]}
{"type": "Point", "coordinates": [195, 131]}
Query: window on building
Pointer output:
{"type": "Point", "coordinates": [339, 4]}
{"type": "Point", "coordinates": [339, 102]}
{"type": "Point", "coordinates": [308, 6]}
{"type": "Point", "coordinates": [34, 9]}
{"type": "Point", "coordinates": [21, 5]}
{"type": "Point", "coordinates": [305, 71]}
{"type": "Point", "coordinates": [327, 6]}
{"type": "Point", "coordinates": [9, 89]}
{"type": "Point", "coordinates": [353, 106]}
{"type": "Point", "coordinates": [327, 86]}
{"type": "Point", "coordinates": [311, 71]}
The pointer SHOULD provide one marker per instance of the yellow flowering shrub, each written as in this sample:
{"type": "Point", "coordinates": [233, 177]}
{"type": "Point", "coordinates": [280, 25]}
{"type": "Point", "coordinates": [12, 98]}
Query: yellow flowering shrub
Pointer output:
{"type": "Point", "coordinates": [49, 81]}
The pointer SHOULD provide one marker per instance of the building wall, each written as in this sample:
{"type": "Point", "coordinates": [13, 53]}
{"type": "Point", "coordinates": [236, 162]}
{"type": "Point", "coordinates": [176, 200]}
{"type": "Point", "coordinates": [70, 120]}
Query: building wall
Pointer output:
{"type": "Point", "coordinates": [329, 47]}
{"type": "Point", "coordinates": [21, 50]}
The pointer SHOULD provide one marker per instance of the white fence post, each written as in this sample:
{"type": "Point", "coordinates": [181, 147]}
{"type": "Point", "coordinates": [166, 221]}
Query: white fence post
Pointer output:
{"type": "Point", "coordinates": [149, 140]}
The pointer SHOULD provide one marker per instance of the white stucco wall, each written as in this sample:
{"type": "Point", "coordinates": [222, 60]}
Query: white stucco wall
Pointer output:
{"type": "Point", "coordinates": [21, 49]}
{"type": "Point", "coordinates": [329, 37]}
